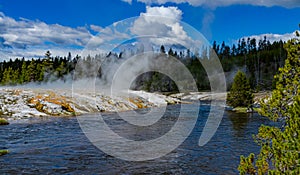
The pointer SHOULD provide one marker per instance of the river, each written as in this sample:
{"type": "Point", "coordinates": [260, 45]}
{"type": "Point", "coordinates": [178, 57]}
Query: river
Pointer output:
{"type": "Point", "coordinates": [55, 145]}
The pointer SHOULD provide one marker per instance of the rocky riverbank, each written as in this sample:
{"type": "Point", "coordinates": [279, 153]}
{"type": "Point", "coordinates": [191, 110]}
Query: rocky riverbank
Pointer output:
{"type": "Point", "coordinates": [27, 103]}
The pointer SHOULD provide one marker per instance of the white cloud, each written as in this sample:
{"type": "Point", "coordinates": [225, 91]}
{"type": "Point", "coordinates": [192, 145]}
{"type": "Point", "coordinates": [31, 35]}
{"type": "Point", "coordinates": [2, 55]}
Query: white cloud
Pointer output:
{"type": "Point", "coordinates": [96, 28]}
{"type": "Point", "coordinates": [25, 33]}
{"type": "Point", "coordinates": [219, 3]}
{"type": "Point", "coordinates": [31, 39]}
{"type": "Point", "coordinates": [273, 37]}
{"type": "Point", "coordinates": [163, 26]}
{"type": "Point", "coordinates": [128, 1]}
{"type": "Point", "coordinates": [36, 52]}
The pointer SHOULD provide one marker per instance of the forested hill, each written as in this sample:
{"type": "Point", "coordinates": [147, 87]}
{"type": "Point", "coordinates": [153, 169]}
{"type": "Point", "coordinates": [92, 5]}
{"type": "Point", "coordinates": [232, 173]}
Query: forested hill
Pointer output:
{"type": "Point", "coordinates": [260, 61]}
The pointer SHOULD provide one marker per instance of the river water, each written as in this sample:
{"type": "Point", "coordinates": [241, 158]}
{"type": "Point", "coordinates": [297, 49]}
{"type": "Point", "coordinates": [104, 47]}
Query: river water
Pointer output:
{"type": "Point", "coordinates": [58, 146]}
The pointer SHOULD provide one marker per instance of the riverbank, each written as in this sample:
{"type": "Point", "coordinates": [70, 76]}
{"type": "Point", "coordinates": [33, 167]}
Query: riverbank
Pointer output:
{"type": "Point", "coordinates": [256, 108]}
{"type": "Point", "coordinates": [18, 103]}
{"type": "Point", "coordinates": [24, 103]}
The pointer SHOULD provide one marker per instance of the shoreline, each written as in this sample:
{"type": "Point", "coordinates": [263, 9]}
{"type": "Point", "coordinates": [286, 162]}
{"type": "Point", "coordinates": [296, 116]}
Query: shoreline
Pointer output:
{"type": "Point", "coordinates": [24, 103]}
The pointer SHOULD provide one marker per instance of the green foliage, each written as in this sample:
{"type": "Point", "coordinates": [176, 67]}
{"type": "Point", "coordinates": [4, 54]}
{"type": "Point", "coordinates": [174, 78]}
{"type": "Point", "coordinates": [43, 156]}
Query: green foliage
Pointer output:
{"type": "Point", "coordinates": [280, 145]}
{"type": "Point", "coordinates": [35, 70]}
{"type": "Point", "coordinates": [6, 76]}
{"type": "Point", "coordinates": [240, 94]}
{"type": "Point", "coordinates": [10, 76]}
{"type": "Point", "coordinates": [3, 152]}
{"type": "Point", "coordinates": [40, 72]}
{"type": "Point", "coordinates": [240, 110]}
{"type": "Point", "coordinates": [31, 71]}
{"type": "Point", "coordinates": [3, 121]}
{"type": "Point", "coordinates": [24, 73]}
{"type": "Point", "coordinates": [246, 165]}
{"type": "Point", "coordinates": [261, 59]}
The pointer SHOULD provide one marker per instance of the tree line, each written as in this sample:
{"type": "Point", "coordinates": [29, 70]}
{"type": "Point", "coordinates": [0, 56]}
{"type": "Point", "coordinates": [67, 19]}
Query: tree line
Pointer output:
{"type": "Point", "coordinates": [260, 61]}
{"type": "Point", "coordinates": [47, 69]}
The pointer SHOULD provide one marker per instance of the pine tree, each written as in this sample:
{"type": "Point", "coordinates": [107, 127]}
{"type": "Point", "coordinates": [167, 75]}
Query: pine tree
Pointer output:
{"type": "Point", "coordinates": [170, 52]}
{"type": "Point", "coordinates": [6, 76]}
{"type": "Point", "coordinates": [280, 145]}
{"type": "Point", "coordinates": [14, 76]}
{"type": "Point", "coordinates": [48, 55]}
{"type": "Point", "coordinates": [47, 66]}
{"type": "Point", "coordinates": [162, 49]}
{"type": "Point", "coordinates": [40, 70]}
{"type": "Point", "coordinates": [61, 70]}
{"type": "Point", "coordinates": [24, 73]}
{"type": "Point", "coordinates": [31, 71]}
{"type": "Point", "coordinates": [240, 94]}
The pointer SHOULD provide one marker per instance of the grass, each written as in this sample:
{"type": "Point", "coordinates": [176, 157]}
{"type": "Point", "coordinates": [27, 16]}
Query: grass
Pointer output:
{"type": "Point", "coordinates": [240, 109]}
{"type": "Point", "coordinates": [244, 109]}
{"type": "Point", "coordinates": [3, 152]}
{"type": "Point", "coordinates": [3, 121]}
{"type": "Point", "coordinates": [257, 110]}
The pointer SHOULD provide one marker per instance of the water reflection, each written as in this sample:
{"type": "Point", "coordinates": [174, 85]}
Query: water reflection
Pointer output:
{"type": "Point", "coordinates": [239, 121]}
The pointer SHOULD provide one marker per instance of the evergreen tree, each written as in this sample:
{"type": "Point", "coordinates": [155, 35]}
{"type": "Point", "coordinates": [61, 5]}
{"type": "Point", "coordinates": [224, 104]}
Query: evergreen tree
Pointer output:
{"type": "Point", "coordinates": [40, 72]}
{"type": "Point", "coordinates": [14, 77]}
{"type": "Point", "coordinates": [6, 76]}
{"type": "Point", "coordinates": [69, 56]}
{"type": "Point", "coordinates": [61, 70]}
{"type": "Point", "coordinates": [170, 52]}
{"type": "Point", "coordinates": [24, 74]}
{"type": "Point", "coordinates": [280, 145]}
{"type": "Point", "coordinates": [48, 55]}
{"type": "Point", "coordinates": [162, 49]}
{"type": "Point", "coordinates": [47, 66]}
{"type": "Point", "coordinates": [240, 94]}
{"type": "Point", "coordinates": [31, 71]}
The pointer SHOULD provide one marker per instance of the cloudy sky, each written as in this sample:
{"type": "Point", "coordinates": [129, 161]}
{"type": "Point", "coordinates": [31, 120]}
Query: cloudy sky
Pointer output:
{"type": "Point", "coordinates": [30, 27]}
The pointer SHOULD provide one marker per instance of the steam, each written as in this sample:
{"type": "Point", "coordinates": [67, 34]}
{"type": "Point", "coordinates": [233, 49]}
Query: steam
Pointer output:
{"type": "Point", "coordinates": [206, 24]}
{"type": "Point", "coordinates": [231, 74]}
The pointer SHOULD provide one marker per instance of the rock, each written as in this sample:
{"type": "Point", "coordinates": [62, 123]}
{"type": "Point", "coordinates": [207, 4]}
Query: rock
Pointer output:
{"type": "Point", "coordinates": [22, 104]}
{"type": "Point", "coordinates": [3, 121]}
{"type": "Point", "coordinates": [51, 108]}
{"type": "Point", "coordinates": [100, 108]}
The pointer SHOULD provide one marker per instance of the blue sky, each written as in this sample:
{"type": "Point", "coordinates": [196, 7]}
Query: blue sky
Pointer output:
{"type": "Point", "coordinates": [218, 20]}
